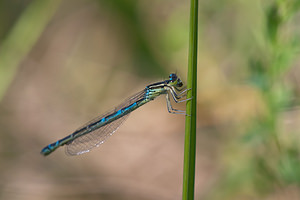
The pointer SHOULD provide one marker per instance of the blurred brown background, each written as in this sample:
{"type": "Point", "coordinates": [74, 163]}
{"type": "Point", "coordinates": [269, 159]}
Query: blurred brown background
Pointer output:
{"type": "Point", "coordinates": [63, 62]}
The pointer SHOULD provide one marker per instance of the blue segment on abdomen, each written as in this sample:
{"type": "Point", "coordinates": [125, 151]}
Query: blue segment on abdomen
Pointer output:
{"type": "Point", "coordinates": [121, 111]}
{"type": "Point", "coordinates": [129, 107]}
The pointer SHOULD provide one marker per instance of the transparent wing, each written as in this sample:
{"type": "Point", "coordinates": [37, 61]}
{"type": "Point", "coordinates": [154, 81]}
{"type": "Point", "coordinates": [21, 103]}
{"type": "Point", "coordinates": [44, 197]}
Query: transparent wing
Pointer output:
{"type": "Point", "coordinates": [134, 98]}
{"type": "Point", "coordinates": [93, 139]}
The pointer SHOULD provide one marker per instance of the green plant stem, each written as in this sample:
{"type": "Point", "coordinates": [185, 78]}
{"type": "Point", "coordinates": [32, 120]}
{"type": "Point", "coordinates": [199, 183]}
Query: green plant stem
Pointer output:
{"type": "Point", "coordinates": [191, 111]}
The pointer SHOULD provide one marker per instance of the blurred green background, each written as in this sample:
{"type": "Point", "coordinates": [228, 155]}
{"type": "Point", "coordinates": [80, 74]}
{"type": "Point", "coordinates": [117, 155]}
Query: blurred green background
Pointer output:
{"type": "Point", "coordinates": [63, 62]}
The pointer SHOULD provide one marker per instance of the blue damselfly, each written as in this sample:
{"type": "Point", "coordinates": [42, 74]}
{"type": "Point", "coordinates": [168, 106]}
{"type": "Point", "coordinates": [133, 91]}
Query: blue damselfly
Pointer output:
{"type": "Point", "coordinates": [94, 133]}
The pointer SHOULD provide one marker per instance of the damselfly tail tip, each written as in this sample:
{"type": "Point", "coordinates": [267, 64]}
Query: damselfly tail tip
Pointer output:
{"type": "Point", "coordinates": [46, 151]}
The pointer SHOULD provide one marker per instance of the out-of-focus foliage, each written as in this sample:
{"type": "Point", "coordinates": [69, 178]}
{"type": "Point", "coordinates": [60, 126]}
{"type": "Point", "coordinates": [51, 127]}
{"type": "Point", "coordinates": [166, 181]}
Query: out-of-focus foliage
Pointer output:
{"type": "Point", "coordinates": [70, 60]}
{"type": "Point", "coordinates": [21, 37]}
{"type": "Point", "coordinates": [263, 161]}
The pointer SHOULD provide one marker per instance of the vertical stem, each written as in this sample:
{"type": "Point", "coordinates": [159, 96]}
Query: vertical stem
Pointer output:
{"type": "Point", "coordinates": [191, 111]}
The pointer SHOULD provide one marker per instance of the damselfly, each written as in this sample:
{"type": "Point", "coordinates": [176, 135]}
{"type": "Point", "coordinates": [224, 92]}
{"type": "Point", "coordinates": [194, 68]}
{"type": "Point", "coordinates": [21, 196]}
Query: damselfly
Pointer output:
{"type": "Point", "coordinates": [96, 131]}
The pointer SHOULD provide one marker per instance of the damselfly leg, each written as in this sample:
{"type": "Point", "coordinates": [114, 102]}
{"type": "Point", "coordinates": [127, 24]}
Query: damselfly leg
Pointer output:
{"type": "Point", "coordinates": [176, 98]}
{"type": "Point", "coordinates": [178, 95]}
{"type": "Point", "coordinates": [171, 109]}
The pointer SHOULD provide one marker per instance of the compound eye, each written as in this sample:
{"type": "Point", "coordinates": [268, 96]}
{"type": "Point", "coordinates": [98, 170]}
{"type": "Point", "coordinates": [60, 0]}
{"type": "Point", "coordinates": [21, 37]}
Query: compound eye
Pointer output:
{"type": "Point", "coordinates": [173, 77]}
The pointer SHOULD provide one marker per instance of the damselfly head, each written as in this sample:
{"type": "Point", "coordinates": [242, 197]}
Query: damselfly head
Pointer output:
{"type": "Point", "coordinates": [174, 80]}
{"type": "Point", "coordinates": [173, 77]}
